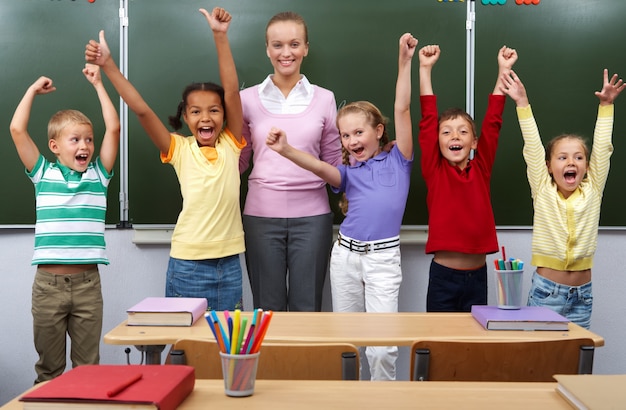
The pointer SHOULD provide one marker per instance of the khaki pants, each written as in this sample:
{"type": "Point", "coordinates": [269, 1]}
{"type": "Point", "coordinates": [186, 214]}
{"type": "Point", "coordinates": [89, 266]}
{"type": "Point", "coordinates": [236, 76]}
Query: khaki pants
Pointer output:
{"type": "Point", "coordinates": [66, 305]}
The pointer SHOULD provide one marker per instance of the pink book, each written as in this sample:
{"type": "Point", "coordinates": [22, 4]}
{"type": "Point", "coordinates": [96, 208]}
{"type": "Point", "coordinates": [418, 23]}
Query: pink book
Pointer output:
{"type": "Point", "coordinates": [525, 318]}
{"type": "Point", "coordinates": [164, 311]}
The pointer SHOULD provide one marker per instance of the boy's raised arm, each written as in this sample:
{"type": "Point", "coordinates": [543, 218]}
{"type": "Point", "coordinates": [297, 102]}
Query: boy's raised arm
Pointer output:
{"type": "Point", "coordinates": [219, 20]}
{"type": "Point", "coordinates": [111, 140]}
{"type": "Point", "coordinates": [506, 59]}
{"type": "Point", "coordinates": [26, 147]}
{"type": "Point", "coordinates": [402, 104]}
{"type": "Point", "coordinates": [428, 56]}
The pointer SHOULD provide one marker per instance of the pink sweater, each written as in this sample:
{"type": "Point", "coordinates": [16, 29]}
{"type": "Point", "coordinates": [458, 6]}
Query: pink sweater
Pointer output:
{"type": "Point", "coordinates": [277, 188]}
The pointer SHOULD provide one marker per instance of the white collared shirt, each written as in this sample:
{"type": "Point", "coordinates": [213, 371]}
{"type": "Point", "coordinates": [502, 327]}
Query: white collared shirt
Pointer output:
{"type": "Point", "coordinates": [296, 102]}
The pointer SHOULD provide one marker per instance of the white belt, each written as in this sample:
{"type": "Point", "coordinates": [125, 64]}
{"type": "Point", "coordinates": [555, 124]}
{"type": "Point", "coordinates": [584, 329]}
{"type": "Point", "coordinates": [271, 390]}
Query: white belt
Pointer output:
{"type": "Point", "coordinates": [364, 247]}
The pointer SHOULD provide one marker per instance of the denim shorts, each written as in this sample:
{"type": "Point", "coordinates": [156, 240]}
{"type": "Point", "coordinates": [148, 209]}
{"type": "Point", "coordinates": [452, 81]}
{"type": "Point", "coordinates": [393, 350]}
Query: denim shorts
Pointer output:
{"type": "Point", "coordinates": [573, 302]}
{"type": "Point", "coordinates": [217, 280]}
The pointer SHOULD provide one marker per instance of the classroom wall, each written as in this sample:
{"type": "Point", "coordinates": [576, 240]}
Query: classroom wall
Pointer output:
{"type": "Point", "coordinates": [139, 271]}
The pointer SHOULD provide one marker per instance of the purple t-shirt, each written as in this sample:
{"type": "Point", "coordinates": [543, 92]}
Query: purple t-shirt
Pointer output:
{"type": "Point", "coordinates": [377, 190]}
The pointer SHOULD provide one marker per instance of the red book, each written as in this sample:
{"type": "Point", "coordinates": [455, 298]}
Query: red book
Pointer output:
{"type": "Point", "coordinates": [164, 311]}
{"type": "Point", "coordinates": [161, 387]}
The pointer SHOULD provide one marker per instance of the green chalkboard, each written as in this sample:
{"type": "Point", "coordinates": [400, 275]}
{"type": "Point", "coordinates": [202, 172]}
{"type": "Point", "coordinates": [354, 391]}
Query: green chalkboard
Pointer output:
{"type": "Point", "coordinates": [353, 52]}
{"type": "Point", "coordinates": [563, 47]}
{"type": "Point", "coordinates": [44, 37]}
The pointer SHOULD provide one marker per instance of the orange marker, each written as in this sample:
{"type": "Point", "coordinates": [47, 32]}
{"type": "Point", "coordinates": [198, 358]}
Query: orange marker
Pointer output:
{"type": "Point", "coordinates": [261, 332]}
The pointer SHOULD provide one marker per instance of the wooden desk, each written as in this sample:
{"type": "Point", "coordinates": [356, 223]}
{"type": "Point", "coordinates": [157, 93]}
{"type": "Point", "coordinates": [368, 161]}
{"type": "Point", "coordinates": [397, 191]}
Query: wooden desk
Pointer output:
{"type": "Point", "coordinates": [303, 395]}
{"type": "Point", "coordinates": [361, 329]}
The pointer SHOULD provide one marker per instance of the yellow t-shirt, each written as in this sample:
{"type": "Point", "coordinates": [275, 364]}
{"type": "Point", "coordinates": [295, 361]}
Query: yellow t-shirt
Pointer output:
{"type": "Point", "coordinates": [209, 225]}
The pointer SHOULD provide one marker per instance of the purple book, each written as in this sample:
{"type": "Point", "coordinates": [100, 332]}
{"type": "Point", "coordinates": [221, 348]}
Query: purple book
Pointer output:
{"type": "Point", "coordinates": [164, 311]}
{"type": "Point", "coordinates": [525, 318]}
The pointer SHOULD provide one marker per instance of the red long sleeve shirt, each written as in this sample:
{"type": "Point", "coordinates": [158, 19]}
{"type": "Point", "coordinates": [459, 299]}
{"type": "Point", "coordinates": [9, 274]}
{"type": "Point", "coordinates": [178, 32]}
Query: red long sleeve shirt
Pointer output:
{"type": "Point", "coordinates": [459, 201]}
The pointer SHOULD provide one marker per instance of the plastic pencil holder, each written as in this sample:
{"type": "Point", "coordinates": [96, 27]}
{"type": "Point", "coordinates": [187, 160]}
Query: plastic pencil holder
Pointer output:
{"type": "Point", "coordinates": [509, 285]}
{"type": "Point", "coordinates": [239, 371]}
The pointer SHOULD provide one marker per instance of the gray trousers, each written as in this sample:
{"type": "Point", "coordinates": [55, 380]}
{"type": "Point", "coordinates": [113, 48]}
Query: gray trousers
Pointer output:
{"type": "Point", "coordinates": [287, 261]}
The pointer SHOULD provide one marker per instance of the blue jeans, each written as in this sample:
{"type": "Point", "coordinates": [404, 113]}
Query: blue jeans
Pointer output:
{"type": "Point", "coordinates": [573, 302]}
{"type": "Point", "coordinates": [217, 280]}
{"type": "Point", "coordinates": [452, 290]}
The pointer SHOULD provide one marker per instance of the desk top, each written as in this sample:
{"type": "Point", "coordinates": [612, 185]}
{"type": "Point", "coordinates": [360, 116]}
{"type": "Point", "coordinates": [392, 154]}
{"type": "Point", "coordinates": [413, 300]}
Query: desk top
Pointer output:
{"type": "Point", "coordinates": [362, 329]}
{"type": "Point", "coordinates": [304, 395]}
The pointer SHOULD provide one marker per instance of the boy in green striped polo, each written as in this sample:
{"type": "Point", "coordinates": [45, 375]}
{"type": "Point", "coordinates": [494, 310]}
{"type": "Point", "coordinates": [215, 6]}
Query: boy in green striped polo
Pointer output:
{"type": "Point", "coordinates": [70, 197]}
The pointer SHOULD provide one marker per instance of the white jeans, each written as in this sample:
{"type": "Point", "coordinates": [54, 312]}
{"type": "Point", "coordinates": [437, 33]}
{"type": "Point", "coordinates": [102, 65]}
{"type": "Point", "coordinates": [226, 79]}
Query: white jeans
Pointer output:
{"type": "Point", "coordinates": [368, 282]}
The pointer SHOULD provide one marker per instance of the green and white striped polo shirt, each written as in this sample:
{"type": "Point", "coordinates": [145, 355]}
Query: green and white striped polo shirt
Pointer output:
{"type": "Point", "coordinates": [71, 210]}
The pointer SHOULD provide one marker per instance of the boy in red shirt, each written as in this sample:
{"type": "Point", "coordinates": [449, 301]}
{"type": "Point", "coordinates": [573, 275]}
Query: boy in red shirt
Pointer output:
{"type": "Point", "coordinates": [461, 225]}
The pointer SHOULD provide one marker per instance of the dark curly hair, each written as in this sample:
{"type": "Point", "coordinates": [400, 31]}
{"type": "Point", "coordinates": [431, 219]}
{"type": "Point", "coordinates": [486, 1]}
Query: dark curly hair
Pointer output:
{"type": "Point", "coordinates": [175, 121]}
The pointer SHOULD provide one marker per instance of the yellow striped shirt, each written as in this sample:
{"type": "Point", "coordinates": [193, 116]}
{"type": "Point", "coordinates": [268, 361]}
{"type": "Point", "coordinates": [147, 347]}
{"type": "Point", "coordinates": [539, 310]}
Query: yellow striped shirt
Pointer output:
{"type": "Point", "coordinates": [565, 231]}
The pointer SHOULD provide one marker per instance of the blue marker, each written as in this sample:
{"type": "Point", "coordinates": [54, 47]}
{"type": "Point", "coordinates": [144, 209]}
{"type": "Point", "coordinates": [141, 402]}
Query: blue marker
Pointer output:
{"type": "Point", "coordinates": [222, 332]}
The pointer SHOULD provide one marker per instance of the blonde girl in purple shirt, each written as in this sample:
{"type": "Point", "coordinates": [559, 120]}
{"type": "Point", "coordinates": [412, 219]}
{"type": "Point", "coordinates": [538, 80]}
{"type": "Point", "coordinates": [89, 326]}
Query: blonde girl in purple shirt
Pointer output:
{"type": "Point", "coordinates": [365, 269]}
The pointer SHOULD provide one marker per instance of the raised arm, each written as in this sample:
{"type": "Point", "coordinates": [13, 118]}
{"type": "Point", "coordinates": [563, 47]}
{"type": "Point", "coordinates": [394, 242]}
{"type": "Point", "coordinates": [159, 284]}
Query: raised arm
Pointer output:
{"type": "Point", "coordinates": [533, 151]}
{"type": "Point", "coordinates": [402, 105]}
{"type": "Point", "coordinates": [598, 169]}
{"type": "Point", "coordinates": [611, 89]}
{"type": "Point", "coordinates": [511, 85]}
{"type": "Point", "coordinates": [428, 56]}
{"type": "Point", "coordinates": [277, 141]}
{"type": "Point", "coordinates": [111, 141]}
{"type": "Point", "coordinates": [506, 59]}
{"type": "Point", "coordinates": [219, 20]}
{"type": "Point", "coordinates": [26, 147]}
{"type": "Point", "coordinates": [98, 53]}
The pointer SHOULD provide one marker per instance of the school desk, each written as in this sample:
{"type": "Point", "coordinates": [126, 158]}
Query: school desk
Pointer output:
{"type": "Point", "coordinates": [361, 329]}
{"type": "Point", "coordinates": [317, 394]}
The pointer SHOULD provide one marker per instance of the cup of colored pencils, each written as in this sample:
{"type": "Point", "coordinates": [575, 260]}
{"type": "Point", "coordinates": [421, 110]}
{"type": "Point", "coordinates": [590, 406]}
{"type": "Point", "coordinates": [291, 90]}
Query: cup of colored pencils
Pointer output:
{"type": "Point", "coordinates": [509, 281]}
{"type": "Point", "coordinates": [239, 347]}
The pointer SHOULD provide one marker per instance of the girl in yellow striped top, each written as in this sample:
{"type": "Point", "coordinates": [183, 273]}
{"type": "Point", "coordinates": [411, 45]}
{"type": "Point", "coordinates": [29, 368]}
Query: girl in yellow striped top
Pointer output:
{"type": "Point", "coordinates": [566, 185]}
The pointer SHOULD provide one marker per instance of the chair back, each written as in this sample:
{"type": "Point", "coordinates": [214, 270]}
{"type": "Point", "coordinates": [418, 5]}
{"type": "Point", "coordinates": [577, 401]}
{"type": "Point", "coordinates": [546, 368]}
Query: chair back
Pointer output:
{"type": "Point", "coordinates": [522, 361]}
{"type": "Point", "coordinates": [288, 361]}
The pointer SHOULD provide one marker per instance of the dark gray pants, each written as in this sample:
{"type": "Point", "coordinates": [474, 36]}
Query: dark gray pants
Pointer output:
{"type": "Point", "coordinates": [287, 261]}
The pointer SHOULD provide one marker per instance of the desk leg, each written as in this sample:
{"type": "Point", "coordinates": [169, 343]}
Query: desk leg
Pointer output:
{"type": "Point", "coordinates": [421, 363]}
{"type": "Point", "coordinates": [153, 353]}
{"type": "Point", "coordinates": [349, 368]}
{"type": "Point", "coordinates": [585, 360]}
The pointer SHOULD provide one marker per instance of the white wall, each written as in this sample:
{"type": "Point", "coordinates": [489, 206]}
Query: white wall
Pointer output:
{"type": "Point", "coordinates": [137, 271]}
